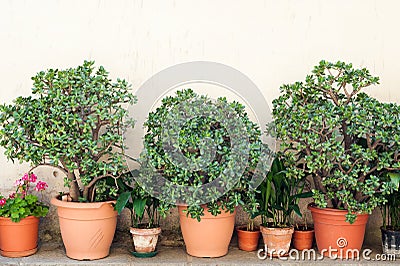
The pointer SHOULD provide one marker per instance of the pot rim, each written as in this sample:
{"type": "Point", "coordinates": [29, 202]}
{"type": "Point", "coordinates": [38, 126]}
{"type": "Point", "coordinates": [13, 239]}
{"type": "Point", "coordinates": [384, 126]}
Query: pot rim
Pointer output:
{"type": "Point", "coordinates": [145, 231]}
{"type": "Point", "coordinates": [310, 228]}
{"type": "Point", "coordinates": [388, 230]}
{"type": "Point", "coordinates": [240, 228]}
{"type": "Point", "coordinates": [27, 217]}
{"type": "Point", "coordinates": [313, 208]}
{"type": "Point", "coordinates": [79, 205]}
{"type": "Point", "coordinates": [276, 229]}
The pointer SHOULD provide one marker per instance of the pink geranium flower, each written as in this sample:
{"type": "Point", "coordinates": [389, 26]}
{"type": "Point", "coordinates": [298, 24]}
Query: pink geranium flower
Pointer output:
{"type": "Point", "coordinates": [32, 178]}
{"type": "Point", "coordinates": [41, 186]}
{"type": "Point", "coordinates": [3, 202]}
{"type": "Point", "coordinates": [19, 182]}
{"type": "Point", "coordinates": [25, 177]}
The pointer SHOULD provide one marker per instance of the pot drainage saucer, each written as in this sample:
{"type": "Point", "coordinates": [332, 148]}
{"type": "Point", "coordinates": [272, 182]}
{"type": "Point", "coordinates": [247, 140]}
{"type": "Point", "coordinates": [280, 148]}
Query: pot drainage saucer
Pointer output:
{"type": "Point", "coordinates": [144, 255]}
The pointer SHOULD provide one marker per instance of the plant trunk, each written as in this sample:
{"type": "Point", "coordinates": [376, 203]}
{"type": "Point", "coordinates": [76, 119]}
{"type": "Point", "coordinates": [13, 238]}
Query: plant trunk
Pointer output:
{"type": "Point", "coordinates": [73, 187]}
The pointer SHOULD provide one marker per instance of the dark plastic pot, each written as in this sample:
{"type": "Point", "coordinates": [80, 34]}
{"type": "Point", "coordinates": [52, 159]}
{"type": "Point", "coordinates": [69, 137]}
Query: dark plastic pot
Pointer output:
{"type": "Point", "coordinates": [391, 242]}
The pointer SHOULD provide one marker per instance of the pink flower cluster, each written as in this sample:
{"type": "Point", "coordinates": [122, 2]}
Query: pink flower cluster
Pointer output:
{"type": "Point", "coordinates": [29, 177]}
{"type": "Point", "coordinates": [23, 185]}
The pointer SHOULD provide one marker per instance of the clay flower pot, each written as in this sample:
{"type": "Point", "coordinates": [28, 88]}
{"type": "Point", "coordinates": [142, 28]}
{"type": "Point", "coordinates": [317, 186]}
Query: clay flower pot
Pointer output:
{"type": "Point", "coordinates": [303, 238]}
{"type": "Point", "coordinates": [277, 240]}
{"type": "Point", "coordinates": [333, 233]}
{"type": "Point", "coordinates": [145, 240]}
{"type": "Point", "coordinates": [18, 239]}
{"type": "Point", "coordinates": [247, 240]}
{"type": "Point", "coordinates": [87, 229]}
{"type": "Point", "coordinates": [210, 237]}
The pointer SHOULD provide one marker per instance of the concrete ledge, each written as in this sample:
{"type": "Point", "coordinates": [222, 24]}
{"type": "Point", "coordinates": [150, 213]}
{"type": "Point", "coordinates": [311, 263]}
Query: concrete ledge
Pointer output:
{"type": "Point", "coordinates": [54, 254]}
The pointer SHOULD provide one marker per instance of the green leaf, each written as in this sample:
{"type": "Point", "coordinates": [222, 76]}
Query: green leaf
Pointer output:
{"type": "Point", "coordinates": [395, 179]}
{"type": "Point", "coordinates": [121, 201]}
{"type": "Point", "coordinates": [139, 206]}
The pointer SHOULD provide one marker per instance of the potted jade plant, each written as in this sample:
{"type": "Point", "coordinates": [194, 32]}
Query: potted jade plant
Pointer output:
{"type": "Point", "coordinates": [201, 155]}
{"type": "Point", "coordinates": [144, 232]}
{"type": "Point", "coordinates": [19, 217]}
{"type": "Point", "coordinates": [342, 139]}
{"type": "Point", "coordinates": [73, 121]}
{"type": "Point", "coordinates": [278, 198]}
{"type": "Point", "coordinates": [391, 218]}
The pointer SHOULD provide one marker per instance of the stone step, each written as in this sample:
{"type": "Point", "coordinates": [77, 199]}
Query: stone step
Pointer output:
{"type": "Point", "coordinates": [53, 254]}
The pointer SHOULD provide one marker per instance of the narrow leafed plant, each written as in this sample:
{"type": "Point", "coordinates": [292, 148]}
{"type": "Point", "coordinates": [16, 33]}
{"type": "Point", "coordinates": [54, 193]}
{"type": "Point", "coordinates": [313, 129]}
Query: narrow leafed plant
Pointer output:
{"type": "Point", "coordinates": [279, 196]}
{"type": "Point", "coordinates": [72, 121]}
{"type": "Point", "coordinates": [391, 208]}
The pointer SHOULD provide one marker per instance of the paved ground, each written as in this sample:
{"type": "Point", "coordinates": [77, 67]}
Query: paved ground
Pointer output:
{"type": "Point", "coordinates": [54, 254]}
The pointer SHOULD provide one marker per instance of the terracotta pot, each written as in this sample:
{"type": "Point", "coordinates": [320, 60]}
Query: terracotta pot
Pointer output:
{"type": "Point", "coordinates": [277, 240]}
{"type": "Point", "coordinates": [248, 240]}
{"type": "Point", "coordinates": [390, 242]}
{"type": "Point", "coordinates": [334, 236]}
{"type": "Point", "coordinates": [210, 237]}
{"type": "Point", "coordinates": [87, 229]}
{"type": "Point", "coordinates": [18, 239]}
{"type": "Point", "coordinates": [303, 239]}
{"type": "Point", "coordinates": [145, 240]}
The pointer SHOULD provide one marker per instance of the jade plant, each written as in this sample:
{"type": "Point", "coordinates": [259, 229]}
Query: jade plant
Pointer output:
{"type": "Point", "coordinates": [339, 136]}
{"type": "Point", "coordinates": [200, 153]}
{"type": "Point", "coordinates": [72, 121]}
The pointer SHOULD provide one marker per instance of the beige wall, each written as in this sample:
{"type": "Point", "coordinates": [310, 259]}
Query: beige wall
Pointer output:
{"type": "Point", "coordinates": [272, 42]}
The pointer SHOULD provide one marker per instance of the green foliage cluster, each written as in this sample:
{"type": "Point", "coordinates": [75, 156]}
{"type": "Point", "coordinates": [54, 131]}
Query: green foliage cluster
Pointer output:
{"type": "Point", "coordinates": [342, 138]}
{"type": "Point", "coordinates": [72, 121]}
{"type": "Point", "coordinates": [189, 142]}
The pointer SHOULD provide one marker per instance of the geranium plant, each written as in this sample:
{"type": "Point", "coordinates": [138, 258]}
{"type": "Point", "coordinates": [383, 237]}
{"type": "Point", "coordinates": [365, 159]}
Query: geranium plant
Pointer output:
{"type": "Point", "coordinates": [23, 203]}
{"type": "Point", "coordinates": [72, 121]}
{"type": "Point", "coordinates": [340, 137]}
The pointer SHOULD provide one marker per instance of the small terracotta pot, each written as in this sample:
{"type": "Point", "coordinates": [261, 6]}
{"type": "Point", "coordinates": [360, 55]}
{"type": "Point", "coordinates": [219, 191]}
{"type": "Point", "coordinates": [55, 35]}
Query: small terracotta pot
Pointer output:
{"type": "Point", "coordinates": [18, 239]}
{"type": "Point", "coordinates": [277, 240]}
{"type": "Point", "coordinates": [87, 229]}
{"type": "Point", "coordinates": [211, 236]}
{"type": "Point", "coordinates": [247, 240]}
{"type": "Point", "coordinates": [303, 239]}
{"type": "Point", "coordinates": [145, 240]}
{"type": "Point", "coordinates": [334, 235]}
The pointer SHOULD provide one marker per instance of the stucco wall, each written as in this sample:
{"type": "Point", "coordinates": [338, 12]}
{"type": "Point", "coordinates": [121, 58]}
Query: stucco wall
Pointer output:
{"type": "Point", "coordinates": [272, 42]}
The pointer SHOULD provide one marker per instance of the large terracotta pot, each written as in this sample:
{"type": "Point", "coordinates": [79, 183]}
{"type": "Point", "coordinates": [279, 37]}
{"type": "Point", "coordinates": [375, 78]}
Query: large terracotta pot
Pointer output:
{"type": "Point", "coordinates": [334, 236]}
{"type": "Point", "coordinates": [145, 240]}
{"type": "Point", "coordinates": [210, 237]}
{"type": "Point", "coordinates": [87, 229]}
{"type": "Point", "coordinates": [18, 239]}
{"type": "Point", "coordinates": [248, 240]}
{"type": "Point", "coordinates": [277, 240]}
